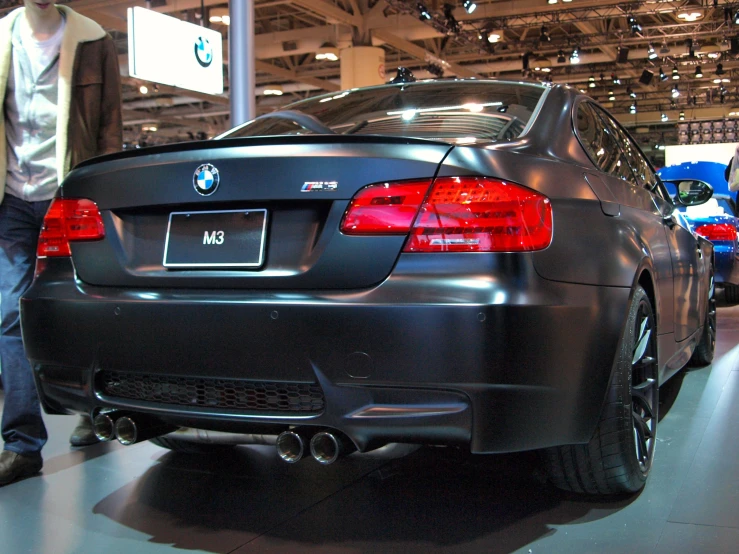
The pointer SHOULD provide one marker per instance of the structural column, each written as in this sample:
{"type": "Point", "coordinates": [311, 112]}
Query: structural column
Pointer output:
{"type": "Point", "coordinates": [362, 66]}
{"type": "Point", "coordinates": [241, 61]}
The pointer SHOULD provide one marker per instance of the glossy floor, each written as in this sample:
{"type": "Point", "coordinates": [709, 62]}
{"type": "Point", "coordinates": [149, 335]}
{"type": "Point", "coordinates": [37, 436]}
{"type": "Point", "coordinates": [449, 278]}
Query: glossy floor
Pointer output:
{"type": "Point", "coordinates": [109, 498]}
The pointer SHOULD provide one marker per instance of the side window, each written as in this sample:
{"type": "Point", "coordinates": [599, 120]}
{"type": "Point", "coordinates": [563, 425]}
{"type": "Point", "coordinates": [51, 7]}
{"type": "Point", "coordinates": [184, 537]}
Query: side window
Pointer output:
{"type": "Point", "coordinates": [639, 165]}
{"type": "Point", "coordinates": [601, 142]}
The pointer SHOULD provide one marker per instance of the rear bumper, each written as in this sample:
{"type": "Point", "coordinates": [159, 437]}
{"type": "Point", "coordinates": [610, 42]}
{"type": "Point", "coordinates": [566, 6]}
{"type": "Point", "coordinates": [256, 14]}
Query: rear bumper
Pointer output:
{"type": "Point", "coordinates": [727, 264]}
{"type": "Point", "coordinates": [493, 364]}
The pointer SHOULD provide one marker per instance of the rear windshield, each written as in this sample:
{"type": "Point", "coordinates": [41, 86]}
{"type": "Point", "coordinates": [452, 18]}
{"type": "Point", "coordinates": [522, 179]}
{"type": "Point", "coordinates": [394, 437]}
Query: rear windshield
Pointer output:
{"type": "Point", "coordinates": [463, 112]}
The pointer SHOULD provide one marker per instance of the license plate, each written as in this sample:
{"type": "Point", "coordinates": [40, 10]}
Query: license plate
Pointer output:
{"type": "Point", "coordinates": [227, 238]}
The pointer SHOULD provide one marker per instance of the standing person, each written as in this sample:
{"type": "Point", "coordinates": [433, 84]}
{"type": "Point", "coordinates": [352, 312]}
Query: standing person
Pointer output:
{"type": "Point", "coordinates": [60, 85]}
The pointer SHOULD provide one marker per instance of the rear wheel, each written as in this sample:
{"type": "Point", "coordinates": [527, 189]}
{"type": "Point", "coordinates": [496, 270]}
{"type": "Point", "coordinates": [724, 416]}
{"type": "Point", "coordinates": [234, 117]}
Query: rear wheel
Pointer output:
{"type": "Point", "coordinates": [619, 456]}
{"type": "Point", "coordinates": [731, 294]}
{"type": "Point", "coordinates": [190, 447]}
{"type": "Point", "coordinates": [703, 354]}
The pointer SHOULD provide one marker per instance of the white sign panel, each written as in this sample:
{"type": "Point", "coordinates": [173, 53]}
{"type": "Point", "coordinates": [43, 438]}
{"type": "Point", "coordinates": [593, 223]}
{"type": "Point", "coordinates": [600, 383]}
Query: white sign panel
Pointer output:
{"type": "Point", "coordinates": [167, 50]}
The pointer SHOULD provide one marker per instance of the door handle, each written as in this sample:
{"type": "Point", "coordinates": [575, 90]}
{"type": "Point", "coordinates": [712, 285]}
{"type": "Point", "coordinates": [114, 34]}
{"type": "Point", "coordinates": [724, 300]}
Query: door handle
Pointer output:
{"type": "Point", "coordinates": [669, 220]}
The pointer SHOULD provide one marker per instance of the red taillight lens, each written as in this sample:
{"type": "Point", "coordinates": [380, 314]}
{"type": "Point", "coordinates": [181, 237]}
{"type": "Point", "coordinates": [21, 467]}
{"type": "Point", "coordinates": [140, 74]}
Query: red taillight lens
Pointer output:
{"type": "Point", "coordinates": [717, 231]}
{"type": "Point", "coordinates": [66, 221]}
{"type": "Point", "coordinates": [481, 214]}
{"type": "Point", "coordinates": [385, 209]}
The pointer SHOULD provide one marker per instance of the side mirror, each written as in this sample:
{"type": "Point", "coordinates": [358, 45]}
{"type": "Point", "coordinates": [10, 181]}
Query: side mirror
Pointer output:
{"type": "Point", "coordinates": [693, 193]}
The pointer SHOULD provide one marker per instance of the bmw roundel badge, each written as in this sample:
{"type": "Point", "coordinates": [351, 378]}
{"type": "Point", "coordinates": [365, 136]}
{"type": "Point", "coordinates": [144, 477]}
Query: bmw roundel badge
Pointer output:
{"type": "Point", "coordinates": [206, 179]}
{"type": "Point", "coordinates": [203, 51]}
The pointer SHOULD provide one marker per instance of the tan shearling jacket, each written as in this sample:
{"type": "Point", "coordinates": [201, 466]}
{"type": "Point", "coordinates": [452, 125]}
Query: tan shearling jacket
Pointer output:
{"type": "Point", "coordinates": [89, 121]}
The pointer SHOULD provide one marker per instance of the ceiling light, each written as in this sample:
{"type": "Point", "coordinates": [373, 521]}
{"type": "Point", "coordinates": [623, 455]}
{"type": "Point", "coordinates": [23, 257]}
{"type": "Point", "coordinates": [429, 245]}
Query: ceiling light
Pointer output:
{"type": "Point", "coordinates": [635, 27]}
{"type": "Point", "coordinates": [495, 36]}
{"type": "Point", "coordinates": [662, 75]}
{"type": "Point", "coordinates": [552, 1]}
{"type": "Point", "coordinates": [150, 128]}
{"type": "Point", "coordinates": [143, 89]}
{"type": "Point", "coordinates": [690, 13]}
{"type": "Point", "coordinates": [615, 79]}
{"type": "Point", "coordinates": [611, 96]}
{"type": "Point", "coordinates": [219, 15]}
{"type": "Point", "coordinates": [736, 18]}
{"type": "Point", "coordinates": [561, 57]}
{"type": "Point", "coordinates": [544, 36]}
{"type": "Point", "coordinates": [469, 6]}
{"type": "Point", "coordinates": [632, 108]}
{"type": "Point", "coordinates": [651, 53]}
{"type": "Point", "coordinates": [591, 81]}
{"type": "Point", "coordinates": [273, 90]}
{"type": "Point", "coordinates": [664, 116]}
{"type": "Point", "coordinates": [698, 72]}
{"type": "Point", "coordinates": [711, 49]}
{"type": "Point", "coordinates": [327, 53]}
{"type": "Point", "coordinates": [664, 49]}
{"type": "Point", "coordinates": [682, 116]}
{"type": "Point", "coordinates": [675, 92]}
{"type": "Point", "coordinates": [675, 73]}
{"type": "Point", "coordinates": [575, 56]}
{"type": "Point", "coordinates": [423, 13]}
{"type": "Point", "coordinates": [630, 92]}
{"type": "Point", "coordinates": [542, 63]}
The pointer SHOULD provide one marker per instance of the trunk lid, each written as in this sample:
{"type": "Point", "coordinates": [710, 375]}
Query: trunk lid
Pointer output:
{"type": "Point", "coordinates": [301, 186]}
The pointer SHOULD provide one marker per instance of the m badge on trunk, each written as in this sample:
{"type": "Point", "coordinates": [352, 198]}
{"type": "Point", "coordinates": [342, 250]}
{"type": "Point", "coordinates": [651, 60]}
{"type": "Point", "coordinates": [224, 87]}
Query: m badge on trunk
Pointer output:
{"type": "Point", "coordinates": [206, 179]}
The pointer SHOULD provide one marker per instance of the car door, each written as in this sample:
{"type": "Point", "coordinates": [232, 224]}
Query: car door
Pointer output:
{"type": "Point", "coordinates": [685, 252]}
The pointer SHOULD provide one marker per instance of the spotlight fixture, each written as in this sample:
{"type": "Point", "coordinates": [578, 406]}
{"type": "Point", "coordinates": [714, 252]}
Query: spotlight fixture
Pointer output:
{"type": "Point", "coordinates": [452, 25]}
{"type": "Point", "coordinates": [273, 90]}
{"type": "Point", "coordinates": [633, 24]}
{"type": "Point", "coordinates": [632, 108]}
{"type": "Point", "coordinates": [552, 1]}
{"type": "Point", "coordinates": [719, 69]}
{"type": "Point", "coordinates": [469, 6]}
{"type": "Point", "coordinates": [575, 56]}
{"type": "Point", "coordinates": [561, 57]}
{"type": "Point", "coordinates": [664, 49]}
{"type": "Point", "coordinates": [435, 70]}
{"type": "Point", "coordinates": [630, 92]}
{"type": "Point", "coordinates": [591, 81]}
{"type": "Point", "coordinates": [143, 89]}
{"type": "Point", "coordinates": [423, 12]}
{"type": "Point", "coordinates": [682, 116]}
{"type": "Point", "coordinates": [675, 92]}
{"type": "Point", "coordinates": [664, 116]}
{"type": "Point", "coordinates": [662, 76]}
{"type": "Point", "coordinates": [611, 96]}
{"type": "Point", "coordinates": [615, 79]}
{"type": "Point", "coordinates": [698, 72]}
{"type": "Point", "coordinates": [675, 73]}
{"type": "Point", "coordinates": [651, 52]}
{"type": "Point", "coordinates": [736, 18]}
{"type": "Point", "coordinates": [494, 36]}
{"type": "Point", "coordinates": [327, 53]}
{"type": "Point", "coordinates": [544, 36]}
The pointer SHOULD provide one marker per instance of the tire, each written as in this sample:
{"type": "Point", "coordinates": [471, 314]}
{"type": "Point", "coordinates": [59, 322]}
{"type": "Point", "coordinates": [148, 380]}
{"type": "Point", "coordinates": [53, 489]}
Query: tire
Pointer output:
{"type": "Point", "coordinates": [731, 294]}
{"type": "Point", "coordinates": [619, 456]}
{"type": "Point", "coordinates": [190, 447]}
{"type": "Point", "coordinates": [703, 353]}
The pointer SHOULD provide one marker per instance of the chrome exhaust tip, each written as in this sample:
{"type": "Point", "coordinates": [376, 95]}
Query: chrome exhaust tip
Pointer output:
{"type": "Point", "coordinates": [126, 430]}
{"type": "Point", "coordinates": [103, 425]}
{"type": "Point", "coordinates": [325, 447]}
{"type": "Point", "coordinates": [290, 446]}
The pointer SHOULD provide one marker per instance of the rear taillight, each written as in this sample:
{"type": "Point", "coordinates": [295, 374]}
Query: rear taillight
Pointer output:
{"type": "Point", "coordinates": [481, 214]}
{"type": "Point", "coordinates": [69, 220]}
{"type": "Point", "coordinates": [459, 214]}
{"type": "Point", "coordinates": [717, 231]}
{"type": "Point", "coordinates": [385, 209]}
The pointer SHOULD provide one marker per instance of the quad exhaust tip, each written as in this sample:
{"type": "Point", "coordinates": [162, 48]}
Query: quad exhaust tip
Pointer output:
{"type": "Point", "coordinates": [126, 430]}
{"type": "Point", "coordinates": [325, 447]}
{"type": "Point", "coordinates": [290, 446]}
{"type": "Point", "coordinates": [103, 425]}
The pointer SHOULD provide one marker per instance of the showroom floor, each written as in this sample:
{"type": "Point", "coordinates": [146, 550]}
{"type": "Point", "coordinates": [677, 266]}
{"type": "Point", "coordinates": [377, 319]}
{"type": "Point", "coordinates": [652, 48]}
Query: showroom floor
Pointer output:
{"type": "Point", "coordinates": [110, 498]}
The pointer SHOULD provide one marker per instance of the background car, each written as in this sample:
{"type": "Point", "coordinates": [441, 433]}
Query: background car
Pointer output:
{"type": "Point", "coordinates": [488, 265]}
{"type": "Point", "coordinates": [715, 220]}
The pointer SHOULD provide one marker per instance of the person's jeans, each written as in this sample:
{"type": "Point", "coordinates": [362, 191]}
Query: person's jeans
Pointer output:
{"type": "Point", "coordinates": [23, 427]}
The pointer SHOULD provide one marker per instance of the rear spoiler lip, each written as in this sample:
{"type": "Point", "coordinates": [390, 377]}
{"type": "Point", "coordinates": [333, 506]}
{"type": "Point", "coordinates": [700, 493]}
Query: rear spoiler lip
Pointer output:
{"type": "Point", "coordinates": [257, 141]}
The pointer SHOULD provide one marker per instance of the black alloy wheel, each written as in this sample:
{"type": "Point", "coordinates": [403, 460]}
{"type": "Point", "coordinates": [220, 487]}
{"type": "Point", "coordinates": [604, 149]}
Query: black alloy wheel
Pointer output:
{"type": "Point", "coordinates": [703, 354]}
{"type": "Point", "coordinates": [619, 456]}
{"type": "Point", "coordinates": [644, 389]}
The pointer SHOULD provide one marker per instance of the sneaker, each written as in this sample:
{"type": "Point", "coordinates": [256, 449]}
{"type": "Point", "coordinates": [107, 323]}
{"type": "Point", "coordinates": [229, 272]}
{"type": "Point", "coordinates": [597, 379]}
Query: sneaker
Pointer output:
{"type": "Point", "coordinates": [14, 466]}
{"type": "Point", "coordinates": [83, 434]}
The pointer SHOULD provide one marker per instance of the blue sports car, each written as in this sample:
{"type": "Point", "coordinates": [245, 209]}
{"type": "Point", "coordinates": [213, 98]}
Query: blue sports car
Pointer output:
{"type": "Point", "coordinates": [714, 220]}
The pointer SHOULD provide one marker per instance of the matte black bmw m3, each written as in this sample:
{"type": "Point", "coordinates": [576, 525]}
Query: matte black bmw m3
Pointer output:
{"type": "Point", "coordinates": [484, 264]}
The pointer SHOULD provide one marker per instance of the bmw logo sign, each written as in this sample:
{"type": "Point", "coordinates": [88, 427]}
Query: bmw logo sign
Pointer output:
{"type": "Point", "coordinates": [206, 179]}
{"type": "Point", "coordinates": [203, 52]}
